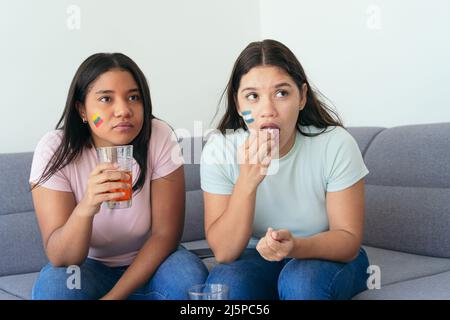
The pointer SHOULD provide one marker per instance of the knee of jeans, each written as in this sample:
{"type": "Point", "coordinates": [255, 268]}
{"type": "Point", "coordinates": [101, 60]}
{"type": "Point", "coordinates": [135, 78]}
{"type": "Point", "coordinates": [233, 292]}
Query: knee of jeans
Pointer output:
{"type": "Point", "coordinates": [180, 271]}
{"type": "Point", "coordinates": [229, 274]}
{"type": "Point", "coordinates": [302, 280]}
{"type": "Point", "coordinates": [187, 263]}
{"type": "Point", "coordinates": [300, 268]}
{"type": "Point", "coordinates": [221, 272]}
{"type": "Point", "coordinates": [55, 283]}
{"type": "Point", "coordinates": [216, 274]}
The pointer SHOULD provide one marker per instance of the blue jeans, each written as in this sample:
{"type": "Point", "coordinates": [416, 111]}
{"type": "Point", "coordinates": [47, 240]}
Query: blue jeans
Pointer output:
{"type": "Point", "coordinates": [181, 270]}
{"type": "Point", "coordinates": [252, 277]}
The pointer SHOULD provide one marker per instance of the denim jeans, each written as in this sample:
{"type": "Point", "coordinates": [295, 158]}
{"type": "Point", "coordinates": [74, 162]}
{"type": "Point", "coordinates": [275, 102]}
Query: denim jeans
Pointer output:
{"type": "Point", "coordinates": [181, 270]}
{"type": "Point", "coordinates": [252, 277]}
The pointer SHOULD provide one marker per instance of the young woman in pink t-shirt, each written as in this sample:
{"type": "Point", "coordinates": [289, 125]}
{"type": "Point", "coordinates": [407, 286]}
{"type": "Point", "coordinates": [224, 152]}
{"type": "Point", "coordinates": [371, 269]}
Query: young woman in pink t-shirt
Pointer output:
{"type": "Point", "coordinates": [129, 253]}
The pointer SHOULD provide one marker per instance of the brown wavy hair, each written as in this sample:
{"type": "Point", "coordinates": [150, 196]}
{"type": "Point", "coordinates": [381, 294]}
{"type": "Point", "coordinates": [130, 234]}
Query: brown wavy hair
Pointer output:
{"type": "Point", "coordinates": [271, 52]}
{"type": "Point", "coordinates": [77, 135]}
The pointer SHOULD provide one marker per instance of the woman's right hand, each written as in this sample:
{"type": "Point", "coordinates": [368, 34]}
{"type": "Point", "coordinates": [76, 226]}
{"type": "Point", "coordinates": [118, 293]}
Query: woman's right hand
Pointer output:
{"type": "Point", "coordinates": [103, 180]}
{"type": "Point", "coordinates": [255, 155]}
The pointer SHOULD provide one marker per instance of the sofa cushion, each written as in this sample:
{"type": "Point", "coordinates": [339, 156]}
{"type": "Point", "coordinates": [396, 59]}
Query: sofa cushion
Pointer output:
{"type": "Point", "coordinates": [408, 190]}
{"type": "Point", "coordinates": [411, 156]}
{"type": "Point", "coordinates": [19, 285]}
{"type": "Point", "coordinates": [192, 149]}
{"type": "Point", "coordinates": [198, 244]}
{"type": "Point", "coordinates": [7, 296]}
{"type": "Point", "coordinates": [408, 219]}
{"type": "Point", "coordinates": [435, 287]}
{"type": "Point", "coordinates": [193, 222]}
{"type": "Point", "coordinates": [398, 266]}
{"type": "Point", "coordinates": [15, 172]}
{"type": "Point", "coordinates": [20, 244]}
{"type": "Point", "coordinates": [192, 176]}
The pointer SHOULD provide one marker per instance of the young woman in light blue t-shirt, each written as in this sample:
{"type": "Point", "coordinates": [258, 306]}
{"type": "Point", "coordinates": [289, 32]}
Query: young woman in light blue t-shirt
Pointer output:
{"type": "Point", "coordinates": [283, 187]}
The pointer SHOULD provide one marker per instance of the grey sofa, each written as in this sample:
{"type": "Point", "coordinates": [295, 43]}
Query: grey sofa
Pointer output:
{"type": "Point", "coordinates": [407, 230]}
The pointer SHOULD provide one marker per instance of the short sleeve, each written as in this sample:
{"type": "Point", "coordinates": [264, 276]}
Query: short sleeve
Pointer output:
{"type": "Point", "coordinates": [43, 153]}
{"type": "Point", "coordinates": [344, 162]}
{"type": "Point", "coordinates": [165, 152]}
{"type": "Point", "coordinates": [215, 167]}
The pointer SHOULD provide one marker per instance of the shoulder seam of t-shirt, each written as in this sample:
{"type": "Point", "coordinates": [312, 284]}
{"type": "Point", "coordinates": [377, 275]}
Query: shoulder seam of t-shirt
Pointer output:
{"type": "Point", "coordinates": [166, 168]}
{"type": "Point", "coordinates": [165, 172]}
{"type": "Point", "coordinates": [213, 190]}
{"type": "Point", "coordinates": [45, 146]}
{"type": "Point", "coordinates": [349, 182]}
{"type": "Point", "coordinates": [210, 153]}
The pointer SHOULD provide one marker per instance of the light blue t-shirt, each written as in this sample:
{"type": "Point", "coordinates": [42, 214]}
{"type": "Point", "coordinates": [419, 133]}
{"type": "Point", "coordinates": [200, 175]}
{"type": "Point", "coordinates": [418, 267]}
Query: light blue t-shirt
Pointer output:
{"type": "Point", "coordinates": [294, 197]}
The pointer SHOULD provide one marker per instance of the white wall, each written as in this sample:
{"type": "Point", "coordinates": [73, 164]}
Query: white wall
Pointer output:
{"type": "Point", "coordinates": [382, 62]}
{"type": "Point", "coordinates": [185, 48]}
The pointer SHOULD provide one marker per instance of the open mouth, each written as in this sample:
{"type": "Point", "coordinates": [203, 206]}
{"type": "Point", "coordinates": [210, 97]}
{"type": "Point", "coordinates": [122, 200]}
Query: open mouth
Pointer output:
{"type": "Point", "coordinates": [270, 127]}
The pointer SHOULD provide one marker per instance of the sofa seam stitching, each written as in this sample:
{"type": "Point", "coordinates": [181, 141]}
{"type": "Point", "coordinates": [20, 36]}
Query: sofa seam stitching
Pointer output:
{"type": "Point", "coordinates": [371, 140]}
{"type": "Point", "coordinates": [415, 278]}
{"type": "Point", "coordinates": [17, 212]}
{"type": "Point", "coordinates": [12, 294]}
{"type": "Point", "coordinates": [387, 185]}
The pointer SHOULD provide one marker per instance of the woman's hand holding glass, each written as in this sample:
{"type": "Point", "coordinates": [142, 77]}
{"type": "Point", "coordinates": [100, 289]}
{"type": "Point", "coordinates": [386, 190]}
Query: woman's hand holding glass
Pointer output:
{"type": "Point", "coordinates": [102, 186]}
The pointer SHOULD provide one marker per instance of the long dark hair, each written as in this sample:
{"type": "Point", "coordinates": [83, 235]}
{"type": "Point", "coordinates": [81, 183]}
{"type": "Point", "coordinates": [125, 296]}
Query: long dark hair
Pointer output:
{"type": "Point", "coordinates": [270, 52]}
{"type": "Point", "coordinates": [77, 135]}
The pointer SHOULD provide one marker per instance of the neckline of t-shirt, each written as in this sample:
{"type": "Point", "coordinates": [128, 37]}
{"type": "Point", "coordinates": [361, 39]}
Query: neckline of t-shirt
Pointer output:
{"type": "Point", "coordinates": [297, 142]}
{"type": "Point", "coordinates": [294, 147]}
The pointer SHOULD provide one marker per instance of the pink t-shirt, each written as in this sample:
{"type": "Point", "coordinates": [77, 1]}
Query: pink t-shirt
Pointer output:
{"type": "Point", "coordinates": [117, 234]}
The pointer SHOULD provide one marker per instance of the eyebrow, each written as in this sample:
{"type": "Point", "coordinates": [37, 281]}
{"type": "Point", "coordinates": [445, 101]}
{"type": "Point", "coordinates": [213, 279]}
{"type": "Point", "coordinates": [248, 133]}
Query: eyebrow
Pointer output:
{"type": "Point", "coordinates": [283, 84]}
{"type": "Point", "coordinates": [112, 91]}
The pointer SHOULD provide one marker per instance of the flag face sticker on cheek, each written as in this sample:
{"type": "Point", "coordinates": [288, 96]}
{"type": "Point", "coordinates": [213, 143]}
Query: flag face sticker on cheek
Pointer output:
{"type": "Point", "coordinates": [97, 120]}
{"type": "Point", "coordinates": [247, 115]}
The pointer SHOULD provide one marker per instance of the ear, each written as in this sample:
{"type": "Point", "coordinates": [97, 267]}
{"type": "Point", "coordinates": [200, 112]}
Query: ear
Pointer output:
{"type": "Point", "coordinates": [303, 96]}
{"type": "Point", "coordinates": [81, 110]}
{"type": "Point", "coordinates": [238, 109]}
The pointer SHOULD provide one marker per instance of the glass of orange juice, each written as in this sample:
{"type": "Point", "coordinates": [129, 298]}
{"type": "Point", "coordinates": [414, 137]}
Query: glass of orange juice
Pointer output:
{"type": "Point", "coordinates": [123, 156]}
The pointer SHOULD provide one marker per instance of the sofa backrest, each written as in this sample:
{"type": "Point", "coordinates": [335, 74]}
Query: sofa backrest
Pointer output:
{"type": "Point", "coordinates": [194, 219]}
{"type": "Point", "coordinates": [407, 195]}
{"type": "Point", "coordinates": [408, 189]}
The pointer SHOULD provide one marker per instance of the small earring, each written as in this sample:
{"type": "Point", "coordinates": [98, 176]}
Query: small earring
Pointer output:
{"type": "Point", "coordinates": [84, 120]}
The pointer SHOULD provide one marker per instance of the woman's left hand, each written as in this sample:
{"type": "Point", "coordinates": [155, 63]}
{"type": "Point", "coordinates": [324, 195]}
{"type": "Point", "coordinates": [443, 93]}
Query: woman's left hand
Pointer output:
{"type": "Point", "coordinates": [275, 245]}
